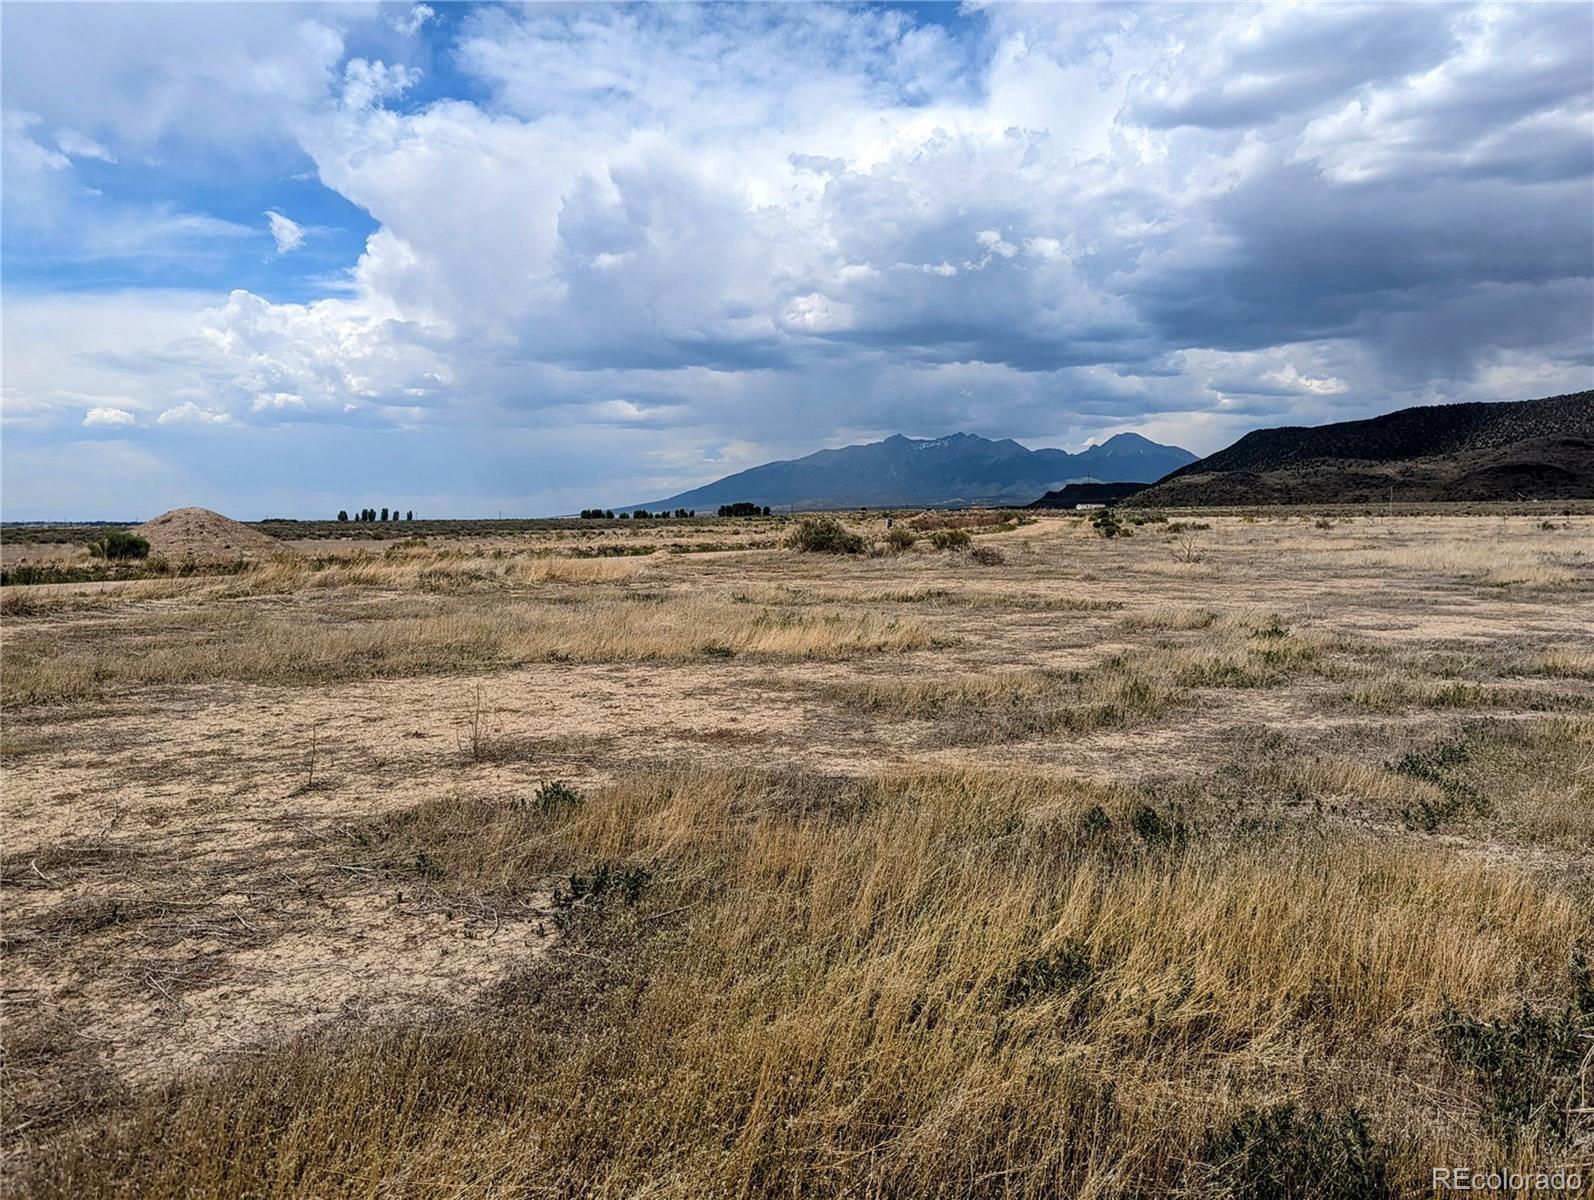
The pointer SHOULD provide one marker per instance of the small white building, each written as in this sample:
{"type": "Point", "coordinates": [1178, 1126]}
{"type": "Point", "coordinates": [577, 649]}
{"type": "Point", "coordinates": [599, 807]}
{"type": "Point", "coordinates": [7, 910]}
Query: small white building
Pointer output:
{"type": "Point", "coordinates": [1087, 507]}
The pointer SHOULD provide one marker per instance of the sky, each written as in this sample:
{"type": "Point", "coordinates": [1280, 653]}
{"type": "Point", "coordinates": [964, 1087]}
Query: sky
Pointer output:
{"type": "Point", "coordinates": [279, 260]}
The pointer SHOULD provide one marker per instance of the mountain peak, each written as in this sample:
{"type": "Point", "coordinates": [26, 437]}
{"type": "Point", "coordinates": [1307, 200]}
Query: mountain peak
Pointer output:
{"type": "Point", "coordinates": [956, 470]}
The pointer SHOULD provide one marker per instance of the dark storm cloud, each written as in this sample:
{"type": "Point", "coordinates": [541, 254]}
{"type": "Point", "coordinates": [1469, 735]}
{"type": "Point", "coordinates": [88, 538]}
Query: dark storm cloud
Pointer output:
{"type": "Point", "coordinates": [741, 231]}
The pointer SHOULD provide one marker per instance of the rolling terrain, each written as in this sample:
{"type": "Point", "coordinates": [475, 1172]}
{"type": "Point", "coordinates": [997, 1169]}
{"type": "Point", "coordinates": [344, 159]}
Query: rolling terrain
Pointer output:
{"type": "Point", "coordinates": [1521, 450]}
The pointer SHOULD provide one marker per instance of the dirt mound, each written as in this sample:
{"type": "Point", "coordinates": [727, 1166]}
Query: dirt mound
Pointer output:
{"type": "Point", "coordinates": [200, 534]}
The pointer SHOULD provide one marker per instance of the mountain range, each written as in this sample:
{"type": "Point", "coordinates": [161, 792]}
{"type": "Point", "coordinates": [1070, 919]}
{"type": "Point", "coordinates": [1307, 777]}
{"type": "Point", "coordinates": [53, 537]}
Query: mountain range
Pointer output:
{"type": "Point", "coordinates": [1515, 450]}
{"type": "Point", "coordinates": [946, 472]}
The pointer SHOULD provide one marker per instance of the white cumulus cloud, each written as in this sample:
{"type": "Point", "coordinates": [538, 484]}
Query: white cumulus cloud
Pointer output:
{"type": "Point", "coordinates": [410, 23]}
{"type": "Point", "coordinates": [189, 413]}
{"type": "Point", "coordinates": [108, 417]}
{"type": "Point", "coordinates": [287, 233]}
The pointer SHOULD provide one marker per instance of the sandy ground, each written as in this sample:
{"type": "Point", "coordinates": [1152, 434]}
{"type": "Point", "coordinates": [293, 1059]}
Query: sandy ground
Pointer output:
{"type": "Point", "coordinates": [179, 880]}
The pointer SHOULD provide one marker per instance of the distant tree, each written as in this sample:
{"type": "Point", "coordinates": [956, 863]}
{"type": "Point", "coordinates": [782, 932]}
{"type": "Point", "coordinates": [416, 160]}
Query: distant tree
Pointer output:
{"type": "Point", "coordinates": [343, 514]}
{"type": "Point", "coordinates": [609, 512]}
{"type": "Point", "coordinates": [625, 516]}
{"type": "Point", "coordinates": [766, 510]}
{"type": "Point", "coordinates": [742, 508]}
{"type": "Point", "coordinates": [409, 514]}
{"type": "Point", "coordinates": [384, 514]}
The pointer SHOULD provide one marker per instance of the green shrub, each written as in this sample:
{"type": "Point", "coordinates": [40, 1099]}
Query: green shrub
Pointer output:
{"type": "Point", "coordinates": [119, 544]}
{"type": "Point", "coordinates": [1154, 829]}
{"type": "Point", "coordinates": [825, 535]}
{"type": "Point", "coordinates": [1094, 823]}
{"type": "Point", "coordinates": [950, 539]}
{"type": "Point", "coordinates": [1527, 1066]}
{"type": "Point", "coordinates": [1440, 765]}
{"type": "Point", "coordinates": [557, 796]}
{"type": "Point", "coordinates": [1285, 1153]}
{"type": "Point", "coordinates": [1108, 526]}
{"type": "Point", "coordinates": [625, 883]}
{"type": "Point", "coordinates": [900, 538]}
{"type": "Point", "coordinates": [1063, 970]}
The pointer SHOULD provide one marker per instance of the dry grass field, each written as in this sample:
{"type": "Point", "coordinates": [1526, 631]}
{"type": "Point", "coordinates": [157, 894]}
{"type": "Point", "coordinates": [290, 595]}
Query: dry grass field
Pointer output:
{"type": "Point", "coordinates": [1239, 857]}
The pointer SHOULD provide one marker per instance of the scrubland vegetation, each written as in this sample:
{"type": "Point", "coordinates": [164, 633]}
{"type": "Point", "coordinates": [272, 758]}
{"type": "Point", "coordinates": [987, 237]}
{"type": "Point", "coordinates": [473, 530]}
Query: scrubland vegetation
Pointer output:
{"type": "Point", "coordinates": [1099, 868]}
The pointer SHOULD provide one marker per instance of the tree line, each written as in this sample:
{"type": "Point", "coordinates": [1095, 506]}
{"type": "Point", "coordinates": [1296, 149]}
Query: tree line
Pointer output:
{"type": "Point", "coordinates": [372, 514]}
{"type": "Point", "coordinates": [641, 514]}
{"type": "Point", "coordinates": [741, 509]}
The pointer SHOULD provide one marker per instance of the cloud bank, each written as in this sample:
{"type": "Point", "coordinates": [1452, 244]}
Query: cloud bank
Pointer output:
{"type": "Point", "coordinates": [684, 239]}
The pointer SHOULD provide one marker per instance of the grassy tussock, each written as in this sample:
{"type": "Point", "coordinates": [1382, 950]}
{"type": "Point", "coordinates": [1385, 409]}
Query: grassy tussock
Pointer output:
{"type": "Point", "coordinates": [65, 598]}
{"type": "Point", "coordinates": [1573, 662]}
{"type": "Point", "coordinates": [1521, 781]}
{"type": "Point", "coordinates": [430, 570]}
{"type": "Point", "coordinates": [252, 645]}
{"type": "Point", "coordinates": [815, 992]}
{"type": "Point", "coordinates": [1009, 705]}
{"type": "Point", "coordinates": [1395, 693]}
{"type": "Point", "coordinates": [1169, 617]}
{"type": "Point", "coordinates": [401, 569]}
{"type": "Point", "coordinates": [1003, 599]}
{"type": "Point", "coordinates": [1528, 560]}
{"type": "Point", "coordinates": [1122, 691]}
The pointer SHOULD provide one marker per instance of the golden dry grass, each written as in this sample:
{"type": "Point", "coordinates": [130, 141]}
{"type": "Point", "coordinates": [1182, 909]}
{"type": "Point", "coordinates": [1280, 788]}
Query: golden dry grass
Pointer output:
{"type": "Point", "coordinates": [1240, 650]}
{"type": "Point", "coordinates": [895, 876]}
{"type": "Point", "coordinates": [252, 645]}
{"type": "Point", "coordinates": [810, 989]}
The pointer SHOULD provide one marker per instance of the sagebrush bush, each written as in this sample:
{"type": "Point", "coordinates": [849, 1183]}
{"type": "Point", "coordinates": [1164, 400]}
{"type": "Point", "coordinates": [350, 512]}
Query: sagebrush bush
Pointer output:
{"type": "Point", "coordinates": [1063, 970]}
{"type": "Point", "coordinates": [1528, 1065]}
{"type": "Point", "coordinates": [119, 544]}
{"type": "Point", "coordinates": [1287, 1153]}
{"type": "Point", "coordinates": [556, 796]}
{"type": "Point", "coordinates": [825, 535]}
{"type": "Point", "coordinates": [901, 538]}
{"type": "Point", "coordinates": [950, 539]}
{"type": "Point", "coordinates": [1108, 526]}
